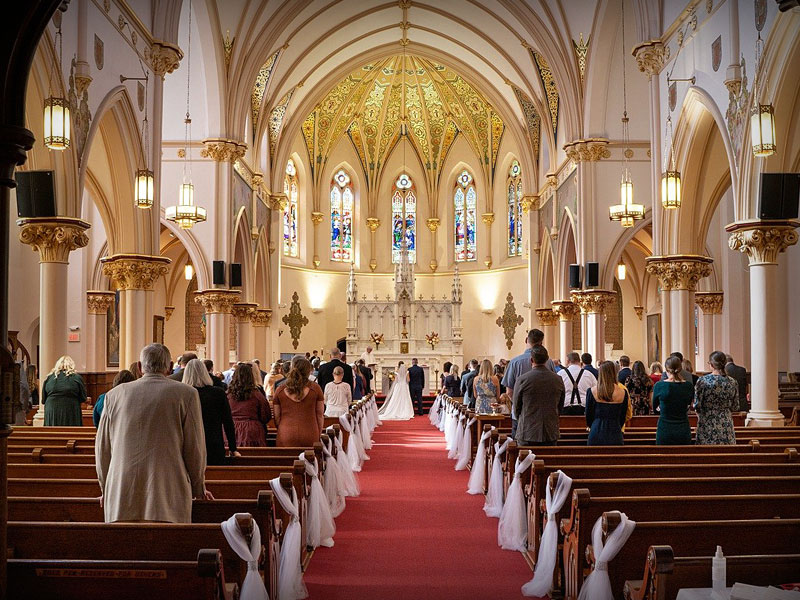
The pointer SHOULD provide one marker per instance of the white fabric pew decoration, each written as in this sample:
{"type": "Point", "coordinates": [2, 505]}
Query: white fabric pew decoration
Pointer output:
{"type": "Point", "coordinates": [598, 585]}
{"type": "Point", "coordinates": [350, 485]}
{"type": "Point", "coordinates": [455, 450]}
{"type": "Point", "coordinates": [450, 428]}
{"type": "Point", "coordinates": [478, 473]}
{"type": "Point", "coordinates": [354, 450]}
{"type": "Point", "coordinates": [494, 495]}
{"type": "Point", "coordinates": [378, 421]}
{"type": "Point", "coordinates": [443, 414]}
{"type": "Point", "coordinates": [252, 586]}
{"type": "Point", "coordinates": [366, 438]}
{"type": "Point", "coordinates": [434, 414]}
{"type": "Point", "coordinates": [334, 485]}
{"type": "Point", "coordinates": [548, 548]}
{"type": "Point", "coordinates": [320, 527]}
{"type": "Point", "coordinates": [465, 449]}
{"type": "Point", "coordinates": [290, 573]}
{"type": "Point", "coordinates": [512, 530]}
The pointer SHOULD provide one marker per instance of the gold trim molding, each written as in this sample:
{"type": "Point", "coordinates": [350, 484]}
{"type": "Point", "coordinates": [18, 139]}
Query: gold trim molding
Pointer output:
{"type": "Point", "coordinates": [590, 149]}
{"type": "Point", "coordinates": [565, 309]}
{"type": "Point", "coordinates": [650, 57]}
{"type": "Point", "coordinates": [316, 217]}
{"type": "Point", "coordinates": [373, 223]}
{"type": "Point", "coordinates": [98, 302]}
{"type": "Point", "coordinates": [165, 57]}
{"type": "Point", "coordinates": [679, 271]}
{"type": "Point", "coordinates": [547, 317]}
{"type": "Point", "coordinates": [168, 310]}
{"type": "Point", "coordinates": [530, 202]}
{"type": "Point", "coordinates": [219, 301]}
{"type": "Point", "coordinates": [488, 218]}
{"type": "Point", "coordinates": [276, 201]}
{"type": "Point", "coordinates": [433, 224]}
{"type": "Point", "coordinates": [53, 237]}
{"type": "Point", "coordinates": [762, 241]}
{"type": "Point", "coordinates": [242, 311]}
{"type": "Point", "coordinates": [710, 303]}
{"type": "Point", "coordinates": [222, 150]}
{"type": "Point", "coordinates": [593, 301]}
{"type": "Point", "coordinates": [135, 271]}
{"type": "Point", "coordinates": [261, 317]}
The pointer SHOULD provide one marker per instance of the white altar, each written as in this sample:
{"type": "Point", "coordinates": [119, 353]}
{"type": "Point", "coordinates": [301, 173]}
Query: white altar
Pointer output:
{"type": "Point", "coordinates": [405, 322]}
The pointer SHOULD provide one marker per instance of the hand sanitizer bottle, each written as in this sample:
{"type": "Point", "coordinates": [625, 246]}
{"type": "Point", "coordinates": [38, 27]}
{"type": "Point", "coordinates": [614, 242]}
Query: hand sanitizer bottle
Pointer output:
{"type": "Point", "coordinates": [718, 575]}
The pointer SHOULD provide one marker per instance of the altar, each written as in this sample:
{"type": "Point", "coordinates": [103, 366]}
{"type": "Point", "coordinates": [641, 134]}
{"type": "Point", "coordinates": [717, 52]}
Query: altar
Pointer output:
{"type": "Point", "coordinates": [403, 326]}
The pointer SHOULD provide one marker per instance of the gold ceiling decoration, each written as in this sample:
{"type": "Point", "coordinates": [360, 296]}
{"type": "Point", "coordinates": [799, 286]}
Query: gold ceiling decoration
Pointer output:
{"type": "Point", "coordinates": [550, 89]}
{"type": "Point", "coordinates": [276, 121]}
{"type": "Point", "coordinates": [260, 87]}
{"type": "Point", "coordinates": [367, 106]}
{"type": "Point", "coordinates": [533, 121]}
{"type": "Point", "coordinates": [581, 51]}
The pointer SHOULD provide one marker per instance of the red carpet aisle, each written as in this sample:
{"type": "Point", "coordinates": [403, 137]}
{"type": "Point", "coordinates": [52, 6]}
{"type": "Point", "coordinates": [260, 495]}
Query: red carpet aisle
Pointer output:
{"type": "Point", "coordinates": [414, 533]}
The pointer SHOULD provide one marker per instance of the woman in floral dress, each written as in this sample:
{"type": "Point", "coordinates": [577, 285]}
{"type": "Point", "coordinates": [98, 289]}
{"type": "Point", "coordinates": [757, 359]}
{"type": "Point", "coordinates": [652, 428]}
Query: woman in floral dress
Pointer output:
{"type": "Point", "coordinates": [486, 389]}
{"type": "Point", "coordinates": [715, 396]}
{"type": "Point", "coordinates": [640, 389]}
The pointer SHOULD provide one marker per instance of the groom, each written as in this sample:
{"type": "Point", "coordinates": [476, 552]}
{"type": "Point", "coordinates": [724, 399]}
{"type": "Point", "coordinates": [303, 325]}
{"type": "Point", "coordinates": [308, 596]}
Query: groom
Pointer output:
{"type": "Point", "coordinates": [416, 383]}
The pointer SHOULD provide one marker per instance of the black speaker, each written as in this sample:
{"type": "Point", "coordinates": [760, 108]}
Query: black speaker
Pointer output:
{"type": "Point", "coordinates": [35, 197]}
{"type": "Point", "coordinates": [219, 272]}
{"type": "Point", "coordinates": [574, 276]}
{"type": "Point", "coordinates": [236, 275]}
{"type": "Point", "coordinates": [592, 275]}
{"type": "Point", "coordinates": [780, 196]}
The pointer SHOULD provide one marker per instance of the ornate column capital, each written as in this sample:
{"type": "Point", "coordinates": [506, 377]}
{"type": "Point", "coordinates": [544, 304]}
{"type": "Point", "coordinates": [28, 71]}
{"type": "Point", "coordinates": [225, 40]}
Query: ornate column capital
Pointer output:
{"type": "Point", "coordinates": [639, 310]}
{"type": "Point", "coordinates": [261, 317]}
{"type": "Point", "coordinates": [565, 309]}
{"type": "Point", "coordinates": [433, 224]}
{"type": "Point", "coordinates": [316, 217]}
{"type": "Point", "coordinates": [98, 302]}
{"type": "Point", "coordinates": [547, 316]}
{"type": "Point", "coordinates": [53, 237]}
{"type": "Point", "coordinates": [373, 223]}
{"type": "Point", "coordinates": [217, 300]}
{"type": "Point", "coordinates": [530, 202]}
{"type": "Point", "coordinates": [488, 218]}
{"type": "Point", "coordinates": [221, 150]}
{"type": "Point", "coordinates": [590, 149]}
{"type": "Point", "coordinates": [679, 271]}
{"type": "Point", "coordinates": [164, 57]}
{"type": "Point", "coordinates": [277, 201]}
{"type": "Point", "coordinates": [168, 310]}
{"type": "Point", "coordinates": [709, 302]}
{"type": "Point", "coordinates": [650, 57]}
{"type": "Point", "coordinates": [762, 241]}
{"type": "Point", "coordinates": [135, 271]}
{"type": "Point", "coordinates": [593, 301]}
{"type": "Point", "coordinates": [552, 180]}
{"type": "Point", "coordinates": [243, 310]}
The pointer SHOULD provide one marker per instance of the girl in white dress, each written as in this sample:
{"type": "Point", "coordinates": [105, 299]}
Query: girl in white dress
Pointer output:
{"type": "Point", "coordinates": [398, 405]}
{"type": "Point", "coordinates": [338, 395]}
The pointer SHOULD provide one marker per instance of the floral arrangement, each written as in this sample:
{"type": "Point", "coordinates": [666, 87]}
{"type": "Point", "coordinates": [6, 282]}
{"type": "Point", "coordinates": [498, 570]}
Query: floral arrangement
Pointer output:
{"type": "Point", "coordinates": [377, 339]}
{"type": "Point", "coordinates": [433, 339]}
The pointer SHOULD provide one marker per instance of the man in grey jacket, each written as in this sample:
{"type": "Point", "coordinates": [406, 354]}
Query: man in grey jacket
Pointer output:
{"type": "Point", "coordinates": [538, 400]}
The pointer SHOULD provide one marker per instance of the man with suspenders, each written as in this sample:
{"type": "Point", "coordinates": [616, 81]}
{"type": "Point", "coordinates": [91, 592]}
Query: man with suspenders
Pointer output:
{"type": "Point", "coordinates": [577, 381]}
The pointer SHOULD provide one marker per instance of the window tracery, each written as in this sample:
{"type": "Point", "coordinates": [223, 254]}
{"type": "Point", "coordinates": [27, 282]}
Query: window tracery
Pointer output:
{"type": "Point", "coordinates": [291, 189]}
{"type": "Point", "coordinates": [404, 218]}
{"type": "Point", "coordinates": [514, 199]}
{"type": "Point", "coordinates": [341, 217]}
{"type": "Point", "coordinates": [465, 204]}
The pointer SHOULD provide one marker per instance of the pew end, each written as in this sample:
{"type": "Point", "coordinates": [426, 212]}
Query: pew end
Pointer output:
{"type": "Point", "coordinates": [660, 559]}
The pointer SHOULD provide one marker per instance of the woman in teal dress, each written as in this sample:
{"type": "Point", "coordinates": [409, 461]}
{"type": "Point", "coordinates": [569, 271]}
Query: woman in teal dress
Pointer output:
{"type": "Point", "coordinates": [63, 393]}
{"type": "Point", "coordinates": [487, 389]}
{"type": "Point", "coordinates": [716, 396]}
{"type": "Point", "coordinates": [672, 397]}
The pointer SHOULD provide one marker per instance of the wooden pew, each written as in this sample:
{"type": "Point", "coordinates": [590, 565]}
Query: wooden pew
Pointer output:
{"type": "Point", "coordinates": [665, 574]}
{"type": "Point", "coordinates": [65, 579]}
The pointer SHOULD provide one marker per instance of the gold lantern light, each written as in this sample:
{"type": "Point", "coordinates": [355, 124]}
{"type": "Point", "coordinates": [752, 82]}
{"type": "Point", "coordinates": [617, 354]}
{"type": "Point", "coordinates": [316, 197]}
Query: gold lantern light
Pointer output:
{"type": "Point", "coordinates": [762, 130]}
{"type": "Point", "coordinates": [671, 177]}
{"type": "Point", "coordinates": [56, 111]}
{"type": "Point", "coordinates": [143, 188]}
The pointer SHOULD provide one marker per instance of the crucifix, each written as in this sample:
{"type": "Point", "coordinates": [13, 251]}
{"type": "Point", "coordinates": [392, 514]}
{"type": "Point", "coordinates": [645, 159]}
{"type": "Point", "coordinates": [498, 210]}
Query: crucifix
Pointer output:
{"type": "Point", "coordinates": [404, 333]}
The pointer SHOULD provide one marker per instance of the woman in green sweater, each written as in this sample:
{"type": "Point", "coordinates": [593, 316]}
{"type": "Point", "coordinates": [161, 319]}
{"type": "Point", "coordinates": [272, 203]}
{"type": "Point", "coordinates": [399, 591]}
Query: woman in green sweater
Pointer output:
{"type": "Point", "coordinates": [63, 393]}
{"type": "Point", "coordinates": [672, 397]}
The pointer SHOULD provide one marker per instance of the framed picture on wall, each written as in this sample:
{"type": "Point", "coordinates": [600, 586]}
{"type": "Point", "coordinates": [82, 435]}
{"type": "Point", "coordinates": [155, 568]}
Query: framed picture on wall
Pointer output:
{"type": "Point", "coordinates": [653, 338]}
{"type": "Point", "coordinates": [112, 333]}
{"type": "Point", "coordinates": [158, 329]}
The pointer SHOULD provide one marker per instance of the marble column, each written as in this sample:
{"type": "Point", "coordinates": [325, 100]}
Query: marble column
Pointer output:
{"type": "Point", "coordinates": [593, 303]}
{"type": "Point", "coordinates": [260, 319]}
{"type": "Point", "coordinates": [548, 319]}
{"type": "Point", "coordinates": [710, 304]}
{"type": "Point", "coordinates": [566, 310]}
{"type": "Point", "coordinates": [97, 304]}
{"type": "Point", "coordinates": [242, 312]}
{"type": "Point", "coordinates": [54, 238]}
{"type": "Point", "coordinates": [218, 305]}
{"type": "Point", "coordinates": [678, 275]}
{"type": "Point", "coordinates": [763, 241]}
{"type": "Point", "coordinates": [135, 275]}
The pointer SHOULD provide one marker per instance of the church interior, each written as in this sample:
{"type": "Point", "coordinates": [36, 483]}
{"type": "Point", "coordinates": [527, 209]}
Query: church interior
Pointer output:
{"type": "Point", "coordinates": [254, 180]}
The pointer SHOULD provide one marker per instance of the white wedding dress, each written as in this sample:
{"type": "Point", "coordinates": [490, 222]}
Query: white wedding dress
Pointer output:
{"type": "Point", "coordinates": [398, 405]}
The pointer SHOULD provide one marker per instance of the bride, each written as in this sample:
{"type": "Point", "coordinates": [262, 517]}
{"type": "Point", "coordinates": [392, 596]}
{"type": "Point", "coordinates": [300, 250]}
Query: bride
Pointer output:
{"type": "Point", "coordinates": [398, 405]}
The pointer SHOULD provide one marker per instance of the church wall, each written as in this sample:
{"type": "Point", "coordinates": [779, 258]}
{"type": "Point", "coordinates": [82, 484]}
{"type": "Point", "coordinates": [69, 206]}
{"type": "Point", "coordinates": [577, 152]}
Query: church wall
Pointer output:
{"type": "Point", "coordinates": [633, 329]}
{"type": "Point", "coordinates": [790, 276]}
{"type": "Point", "coordinates": [23, 287]}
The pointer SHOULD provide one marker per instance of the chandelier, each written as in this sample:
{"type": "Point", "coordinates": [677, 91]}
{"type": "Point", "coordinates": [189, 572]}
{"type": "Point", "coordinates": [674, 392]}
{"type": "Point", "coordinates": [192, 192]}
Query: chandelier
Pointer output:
{"type": "Point", "coordinates": [186, 214]}
{"type": "Point", "coordinates": [56, 109]}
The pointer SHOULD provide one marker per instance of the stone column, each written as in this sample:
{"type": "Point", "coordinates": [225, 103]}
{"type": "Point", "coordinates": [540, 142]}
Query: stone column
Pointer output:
{"type": "Point", "coordinates": [548, 319]}
{"type": "Point", "coordinates": [678, 275]}
{"type": "Point", "coordinates": [242, 312]}
{"type": "Point", "coordinates": [218, 304]}
{"type": "Point", "coordinates": [763, 241]}
{"type": "Point", "coordinates": [54, 238]}
{"type": "Point", "coordinates": [97, 304]}
{"type": "Point", "coordinates": [593, 304]}
{"type": "Point", "coordinates": [710, 304]}
{"type": "Point", "coordinates": [566, 310]}
{"type": "Point", "coordinates": [263, 349]}
{"type": "Point", "coordinates": [135, 276]}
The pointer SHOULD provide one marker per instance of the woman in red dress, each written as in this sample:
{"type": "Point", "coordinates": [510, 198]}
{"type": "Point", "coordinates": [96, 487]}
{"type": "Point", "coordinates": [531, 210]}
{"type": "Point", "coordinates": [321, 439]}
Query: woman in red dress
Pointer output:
{"type": "Point", "coordinates": [249, 408]}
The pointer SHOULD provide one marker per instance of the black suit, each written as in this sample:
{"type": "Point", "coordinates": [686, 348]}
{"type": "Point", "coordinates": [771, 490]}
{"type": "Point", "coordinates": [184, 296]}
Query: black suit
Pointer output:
{"type": "Point", "coordinates": [367, 373]}
{"type": "Point", "coordinates": [416, 383]}
{"type": "Point", "coordinates": [325, 375]}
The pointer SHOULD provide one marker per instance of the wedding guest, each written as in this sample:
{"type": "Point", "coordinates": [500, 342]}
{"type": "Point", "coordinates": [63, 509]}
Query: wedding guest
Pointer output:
{"type": "Point", "coordinates": [739, 375]}
{"type": "Point", "coordinates": [358, 382]}
{"type": "Point", "coordinates": [672, 398]}
{"type": "Point", "coordinates": [452, 382]}
{"type": "Point", "coordinates": [249, 408]}
{"type": "Point", "coordinates": [216, 381]}
{"type": "Point", "coordinates": [124, 376]}
{"type": "Point", "coordinates": [63, 392]}
{"type": "Point", "coordinates": [215, 410]}
{"type": "Point", "coordinates": [586, 361]}
{"type": "Point", "coordinates": [624, 369]}
{"type": "Point", "coordinates": [687, 366]}
{"type": "Point", "coordinates": [499, 370]}
{"type": "Point", "coordinates": [299, 407]}
{"type": "Point", "coordinates": [275, 374]}
{"type": "Point", "coordinates": [606, 408]}
{"type": "Point", "coordinates": [182, 362]}
{"type": "Point", "coordinates": [685, 375]}
{"type": "Point", "coordinates": [656, 371]}
{"type": "Point", "coordinates": [286, 366]}
{"type": "Point", "coordinates": [325, 375]}
{"type": "Point", "coordinates": [538, 400]}
{"type": "Point", "coordinates": [257, 378]}
{"type": "Point", "coordinates": [485, 388]}
{"type": "Point", "coordinates": [640, 389]}
{"type": "Point", "coordinates": [135, 370]}
{"type": "Point", "coordinates": [716, 396]}
{"type": "Point", "coordinates": [445, 372]}
{"type": "Point", "coordinates": [466, 383]}
{"type": "Point", "coordinates": [261, 373]}
{"type": "Point", "coordinates": [366, 373]}
{"type": "Point", "coordinates": [337, 395]}
{"type": "Point", "coordinates": [577, 381]}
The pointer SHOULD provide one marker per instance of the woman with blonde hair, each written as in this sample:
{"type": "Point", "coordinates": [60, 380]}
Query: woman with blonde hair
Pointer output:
{"type": "Point", "coordinates": [63, 393]}
{"type": "Point", "coordinates": [485, 388]}
{"type": "Point", "coordinates": [275, 375]}
{"type": "Point", "coordinates": [606, 408]}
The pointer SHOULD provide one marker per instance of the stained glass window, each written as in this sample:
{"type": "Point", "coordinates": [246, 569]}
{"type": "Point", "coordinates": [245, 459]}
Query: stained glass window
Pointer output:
{"type": "Point", "coordinates": [341, 217]}
{"type": "Point", "coordinates": [291, 189]}
{"type": "Point", "coordinates": [404, 218]}
{"type": "Point", "coordinates": [465, 203]}
{"type": "Point", "coordinates": [514, 196]}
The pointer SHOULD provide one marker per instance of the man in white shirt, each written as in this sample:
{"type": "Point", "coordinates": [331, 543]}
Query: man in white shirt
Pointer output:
{"type": "Point", "coordinates": [577, 381]}
{"type": "Point", "coordinates": [368, 357]}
